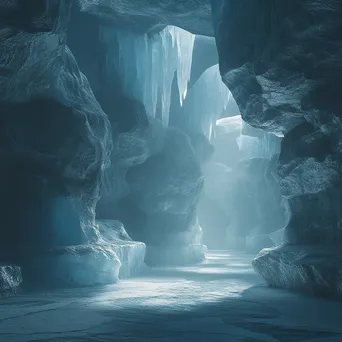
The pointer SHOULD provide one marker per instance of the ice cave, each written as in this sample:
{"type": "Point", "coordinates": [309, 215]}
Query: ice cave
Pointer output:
{"type": "Point", "coordinates": [172, 170]}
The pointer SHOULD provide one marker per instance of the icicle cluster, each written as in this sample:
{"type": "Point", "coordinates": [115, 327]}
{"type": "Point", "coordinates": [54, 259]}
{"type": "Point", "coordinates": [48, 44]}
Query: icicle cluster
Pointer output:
{"type": "Point", "coordinates": [149, 63]}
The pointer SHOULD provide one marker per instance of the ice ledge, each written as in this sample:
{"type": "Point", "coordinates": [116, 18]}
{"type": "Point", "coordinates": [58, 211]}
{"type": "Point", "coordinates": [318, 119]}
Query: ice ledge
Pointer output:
{"type": "Point", "coordinates": [114, 257]}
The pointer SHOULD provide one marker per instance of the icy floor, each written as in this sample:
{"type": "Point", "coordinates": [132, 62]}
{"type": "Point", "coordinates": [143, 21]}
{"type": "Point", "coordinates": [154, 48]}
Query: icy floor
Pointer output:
{"type": "Point", "coordinates": [220, 301]}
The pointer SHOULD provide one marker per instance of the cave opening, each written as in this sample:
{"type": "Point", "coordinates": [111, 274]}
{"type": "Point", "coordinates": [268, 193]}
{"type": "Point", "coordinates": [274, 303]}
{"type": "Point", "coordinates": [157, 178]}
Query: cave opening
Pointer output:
{"type": "Point", "coordinates": [174, 77]}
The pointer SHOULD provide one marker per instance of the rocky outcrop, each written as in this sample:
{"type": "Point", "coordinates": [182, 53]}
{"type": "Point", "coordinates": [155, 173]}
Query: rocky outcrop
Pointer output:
{"type": "Point", "coordinates": [285, 74]}
{"type": "Point", "coordinates": [193, 16]}
{"type": "Point", "coordinates": [307, 268]}
{"type": "Point", "coordinates": [55, 142]}
{"type": "Point", "coordinates": [162, 191]}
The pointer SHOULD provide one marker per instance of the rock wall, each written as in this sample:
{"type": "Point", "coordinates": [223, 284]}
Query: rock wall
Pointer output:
{"type": "Point", "coordinates": [285, 74]}
{"type": "Point", "coordinates": [54, 136]}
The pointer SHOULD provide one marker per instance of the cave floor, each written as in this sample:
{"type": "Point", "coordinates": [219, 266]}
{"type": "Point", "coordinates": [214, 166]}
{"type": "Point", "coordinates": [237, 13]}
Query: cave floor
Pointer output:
{"type": "Point", "coordinates": [221, 300]}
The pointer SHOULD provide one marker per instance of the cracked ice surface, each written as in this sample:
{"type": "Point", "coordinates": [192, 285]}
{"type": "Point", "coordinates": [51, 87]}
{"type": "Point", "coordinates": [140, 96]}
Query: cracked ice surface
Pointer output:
{"type": "Point", "coordinates": [149, 63]}
{"type": "Point", "coordinates": [220, 300]}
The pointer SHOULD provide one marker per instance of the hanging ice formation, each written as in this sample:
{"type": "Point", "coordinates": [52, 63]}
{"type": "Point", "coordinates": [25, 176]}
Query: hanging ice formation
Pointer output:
{"type": "Point", "coordinates": [148, 64]}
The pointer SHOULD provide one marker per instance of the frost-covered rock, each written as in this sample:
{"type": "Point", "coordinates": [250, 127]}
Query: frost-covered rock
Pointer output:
{"type": "Point", "coordinates": [163, 192]}
{"type": "Point", "coordinates": [287, 83]}
{"type": "Point", "coordinates": [55, 138]}
{"type": "Point", "coordinates": [10, 279]}
{"type": "Point", "coordinates": [193, 16]}
{"type": "Point", "coordinates": [315, 269]}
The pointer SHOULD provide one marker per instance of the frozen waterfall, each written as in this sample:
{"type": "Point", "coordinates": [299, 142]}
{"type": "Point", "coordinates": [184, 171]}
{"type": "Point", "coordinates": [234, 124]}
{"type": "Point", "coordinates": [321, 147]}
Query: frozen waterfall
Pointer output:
{"type": "Point", "coordinates": [148, 64]}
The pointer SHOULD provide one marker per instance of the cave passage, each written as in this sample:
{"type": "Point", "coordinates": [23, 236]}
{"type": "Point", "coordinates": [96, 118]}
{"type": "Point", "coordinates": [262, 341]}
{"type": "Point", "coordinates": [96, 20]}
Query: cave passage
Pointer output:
{"type": "Point", "coordinates": [171, 170]}
{"type": "Point", "coordinates": [222, 299]}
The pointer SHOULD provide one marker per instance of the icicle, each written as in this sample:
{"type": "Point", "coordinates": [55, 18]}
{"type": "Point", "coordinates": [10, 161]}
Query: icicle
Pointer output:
{"type": "Point", "coordinates": [148, 65]}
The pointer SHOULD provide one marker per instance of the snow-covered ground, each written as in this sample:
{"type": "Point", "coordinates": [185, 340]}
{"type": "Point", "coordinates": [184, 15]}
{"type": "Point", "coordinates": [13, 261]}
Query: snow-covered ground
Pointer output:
{"type": "Point", "coordinates": [222, 300]}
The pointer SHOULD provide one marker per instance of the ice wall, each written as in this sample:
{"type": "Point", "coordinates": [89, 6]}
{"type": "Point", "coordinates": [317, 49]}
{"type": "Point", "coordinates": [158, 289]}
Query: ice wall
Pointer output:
{"type": "Point", "coordinates": [207, 100]}
{"type": "Point", "coordinates": [263, 145]}
{"type": "Point", "coordinates": [148, 64]}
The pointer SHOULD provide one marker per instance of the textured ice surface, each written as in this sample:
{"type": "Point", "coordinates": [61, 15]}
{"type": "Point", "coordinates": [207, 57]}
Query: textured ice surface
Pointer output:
{"type": "Point", "coordinates": [193, 16]}
{"type": "Point", "coordinates": [83, 265]}
{"type": "Point", "coordinates": [148, 64]}
{"type": "Point", "coordinates": [221, 300]}
{"type": "Point", "coordinates": [130, 253]}
{"type": "Point", "coordinates": [175, 255]}
{"type": "Point", "coordinates": [309, 268]}
{"type": "Point", "coordinates": [10, 279]}
{"type": "Point", "coordinates": [114, 256]}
